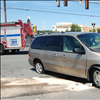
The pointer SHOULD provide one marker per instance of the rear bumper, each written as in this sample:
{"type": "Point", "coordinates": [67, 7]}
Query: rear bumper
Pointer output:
{"type": "Point", "coordinates": [13, 48]}
{"type": "Point", "coordinates": [30, 61]}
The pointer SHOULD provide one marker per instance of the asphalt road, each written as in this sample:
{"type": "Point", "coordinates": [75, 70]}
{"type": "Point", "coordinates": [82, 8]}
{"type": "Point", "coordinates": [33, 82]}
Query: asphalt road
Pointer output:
{"type": "Point", "coordinates": [19, 81]}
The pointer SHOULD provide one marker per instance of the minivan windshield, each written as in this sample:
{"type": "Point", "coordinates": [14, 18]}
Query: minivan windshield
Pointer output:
{"type": "Point", "coordinates": [91, 40]}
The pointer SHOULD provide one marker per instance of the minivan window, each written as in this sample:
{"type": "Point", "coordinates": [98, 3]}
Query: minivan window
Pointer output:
{"type": "Point", "coordinates": [37, 43]}
{"type": "Point", "coordinates": [92, 41]}
{"type": "Point", "coordinates": [52, 43]}
{"type": "Point", "coordinates": [70, 43]}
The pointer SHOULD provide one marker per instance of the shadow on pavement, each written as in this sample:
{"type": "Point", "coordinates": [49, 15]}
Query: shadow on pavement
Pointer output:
{"type": "Point", "coordinates": [66, 77]}
{"type": "Point", "coordinates": [33, 69]}
{"type": "Point", "coordinates": [18, 53]}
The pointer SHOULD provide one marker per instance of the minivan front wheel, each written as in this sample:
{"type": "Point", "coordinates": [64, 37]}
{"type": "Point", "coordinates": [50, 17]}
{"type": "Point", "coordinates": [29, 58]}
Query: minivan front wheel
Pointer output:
{"type": "Point", "coordinates": [96, 78]}
{"type": "Point", "coordinates": [39, 67]}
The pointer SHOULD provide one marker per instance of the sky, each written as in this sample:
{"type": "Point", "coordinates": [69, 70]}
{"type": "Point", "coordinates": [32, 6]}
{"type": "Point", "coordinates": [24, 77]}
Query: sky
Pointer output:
{"type": "Point", "coordinates": [45, 20]}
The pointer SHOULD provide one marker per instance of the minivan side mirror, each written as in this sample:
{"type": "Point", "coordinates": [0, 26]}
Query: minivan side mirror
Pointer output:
{"type": "Point", "coordinates": [78, 50]}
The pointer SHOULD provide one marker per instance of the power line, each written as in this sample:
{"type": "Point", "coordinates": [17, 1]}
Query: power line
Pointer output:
{"type": "Point", "coordinates": [52, 12]}
{"type": "Point", "coordinates": [94, 2]}
{"type": "Point", "coordinates": [89, 1]}
{"type": "Point", "coordinates": [63, 10]}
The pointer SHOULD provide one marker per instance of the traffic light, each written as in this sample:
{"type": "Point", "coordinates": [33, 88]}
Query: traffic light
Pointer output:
{"type": "Point", "coordinates": [86, 4]}
{"type": "Point", "coordinates": [34, 29]}
{"type": "Point", "coordinates": [65, 2]}
{"type": "Point", "coordinates": [81, 2]}
{"type": "Point", "coordinates": [58, 3]}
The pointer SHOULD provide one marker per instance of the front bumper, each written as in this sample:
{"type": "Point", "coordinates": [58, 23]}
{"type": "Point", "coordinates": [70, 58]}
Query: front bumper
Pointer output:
{"type": "Point", "coordinates": [30, 61]}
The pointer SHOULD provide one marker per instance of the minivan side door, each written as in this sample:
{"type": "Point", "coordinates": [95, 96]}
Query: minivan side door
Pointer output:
{"type": "Point", "coordinates": [72, 63]}
{"type": "Point", "coordinates": [50, 53]}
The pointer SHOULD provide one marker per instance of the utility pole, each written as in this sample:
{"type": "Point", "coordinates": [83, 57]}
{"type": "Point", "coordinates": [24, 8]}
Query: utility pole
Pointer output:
{"type": "Point", "coordinates": [5, 11]}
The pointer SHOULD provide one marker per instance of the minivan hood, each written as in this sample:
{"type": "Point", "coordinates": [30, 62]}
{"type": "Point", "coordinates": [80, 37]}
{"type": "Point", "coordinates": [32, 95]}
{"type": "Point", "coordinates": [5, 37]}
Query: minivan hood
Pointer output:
{"type": "Point", "coordinates": [98, 54]}
{"type": "Point", "coordinates": [98, 51]}
{"type": "Point", "coordinates": [94, 57]}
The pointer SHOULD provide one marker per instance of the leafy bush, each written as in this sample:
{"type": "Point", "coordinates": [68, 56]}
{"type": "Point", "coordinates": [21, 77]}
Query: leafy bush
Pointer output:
{"type": "Point", "coordinates": [75, 28]}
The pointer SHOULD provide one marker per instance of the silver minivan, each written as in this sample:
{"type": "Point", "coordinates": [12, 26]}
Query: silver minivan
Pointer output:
{"type": "Point", "coordinates": [71, 53]}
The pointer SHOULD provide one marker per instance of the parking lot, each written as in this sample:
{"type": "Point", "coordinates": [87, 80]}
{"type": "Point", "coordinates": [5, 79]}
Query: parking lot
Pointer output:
{"type": "Point", "coordinates": [20, 81]}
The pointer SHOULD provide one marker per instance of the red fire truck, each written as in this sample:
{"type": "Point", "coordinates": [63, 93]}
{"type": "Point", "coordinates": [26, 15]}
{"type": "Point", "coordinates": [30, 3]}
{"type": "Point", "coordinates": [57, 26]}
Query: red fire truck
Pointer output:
{"type": "Point", "coordinates": [12, 37]}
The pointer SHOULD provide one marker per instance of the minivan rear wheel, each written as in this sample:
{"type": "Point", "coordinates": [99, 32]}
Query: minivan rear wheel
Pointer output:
{"type": "Point", "coordinates": [96, 77]}
{"type": "Point", "coordinates": [39, 67]}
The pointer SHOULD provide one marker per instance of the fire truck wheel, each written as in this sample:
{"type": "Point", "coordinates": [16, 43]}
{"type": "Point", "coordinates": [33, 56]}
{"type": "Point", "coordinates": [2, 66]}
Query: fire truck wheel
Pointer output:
{"type": "Point", "coordinates": [13, 51]}
{"type": "Point", "coordinates": [2, 50]}
{"type": "Point", "coordinates": [17, 49]}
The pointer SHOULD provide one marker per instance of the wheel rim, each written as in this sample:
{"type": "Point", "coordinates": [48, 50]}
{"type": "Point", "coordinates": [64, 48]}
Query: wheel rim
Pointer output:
{"type": "Point", "coordinates": [39, 68]}
{"type": "Point", "coordinates": [97, 77]}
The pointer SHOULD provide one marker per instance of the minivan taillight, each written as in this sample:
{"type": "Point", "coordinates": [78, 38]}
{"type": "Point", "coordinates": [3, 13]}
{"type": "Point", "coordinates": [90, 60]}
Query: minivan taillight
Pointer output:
{"type": "Point", "coordinates": [29, 54]}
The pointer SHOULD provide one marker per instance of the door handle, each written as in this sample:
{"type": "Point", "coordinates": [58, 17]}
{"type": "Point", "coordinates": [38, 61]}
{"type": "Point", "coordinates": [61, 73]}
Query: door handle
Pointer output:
{"type": "Point", "coordinates": [64, 56]}
{"type": "Point", "coordinates": [55, 55]}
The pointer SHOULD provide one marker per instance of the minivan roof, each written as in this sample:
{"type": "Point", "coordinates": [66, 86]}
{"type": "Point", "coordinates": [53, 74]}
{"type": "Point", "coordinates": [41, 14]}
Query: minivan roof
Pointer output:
{"type": "Point", "coordinates": [66, 33]}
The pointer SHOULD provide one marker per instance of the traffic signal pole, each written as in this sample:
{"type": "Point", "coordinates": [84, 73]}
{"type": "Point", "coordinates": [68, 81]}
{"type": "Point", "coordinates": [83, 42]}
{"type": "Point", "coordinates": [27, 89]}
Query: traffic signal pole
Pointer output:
{"type": "Point", "coordinates": [5, 11]}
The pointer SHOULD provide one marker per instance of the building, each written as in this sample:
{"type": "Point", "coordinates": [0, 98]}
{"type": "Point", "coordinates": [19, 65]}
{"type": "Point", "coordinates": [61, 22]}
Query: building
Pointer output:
{"type": "Point", "coordinates": [63, 26]}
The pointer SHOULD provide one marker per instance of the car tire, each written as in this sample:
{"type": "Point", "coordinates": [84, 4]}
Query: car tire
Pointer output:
{"type": "Point", "coordinates": [2, 50]}
{"type": "Point", "coordinates": [13, 51]}
{"type": "Point", "coordinates": [17, 50]}
{"type": "Point", "coordinates": [96, 77]}
{"type": "Point", "coordinates": [39, 67]}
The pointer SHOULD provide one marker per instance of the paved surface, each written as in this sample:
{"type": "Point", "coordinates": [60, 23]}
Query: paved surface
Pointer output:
{"type": "Point", "coordinates": [19, 81]}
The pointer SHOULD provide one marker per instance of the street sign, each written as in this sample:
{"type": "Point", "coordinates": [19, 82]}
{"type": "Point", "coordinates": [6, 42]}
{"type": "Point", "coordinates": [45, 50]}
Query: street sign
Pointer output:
{"type": "Point", "coordinates": [93, 25]}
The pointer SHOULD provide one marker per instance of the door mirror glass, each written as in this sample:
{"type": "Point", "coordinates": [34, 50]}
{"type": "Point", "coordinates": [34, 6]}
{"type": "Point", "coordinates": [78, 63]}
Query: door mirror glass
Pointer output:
{"type": "Point", "coordinates": [79, 50]}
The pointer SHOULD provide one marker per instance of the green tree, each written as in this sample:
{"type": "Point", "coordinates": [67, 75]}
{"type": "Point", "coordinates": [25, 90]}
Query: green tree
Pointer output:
{"type": "Point", "coordinates": [28, 20]}
{"type": "Point", "coordinates": [46, 31]}
{"type": "Point", "coordinates": [98, 30]}
{"type": "Point", "coordinates": [56, 30]}
{"type": "Point", "coordinates": [75, 28]}
{"type": "Point", "coordinates": [66, 30]}
{"type": "Point", "coordinates": [49, 31]}
{"type": "Point", "coordinates": [94, 30]}
{"type": "Point", "coordinates": [38, 32]}
{"type": "Point", "coordinates": [90, 30]}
